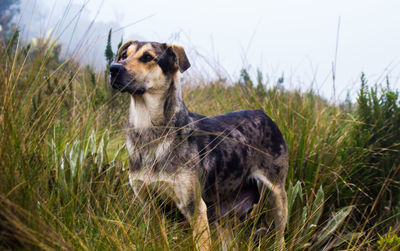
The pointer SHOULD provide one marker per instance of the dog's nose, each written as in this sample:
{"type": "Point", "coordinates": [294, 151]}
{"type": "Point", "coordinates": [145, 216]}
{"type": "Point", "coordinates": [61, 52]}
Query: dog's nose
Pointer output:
{"type": "Point", "coordinates": [117, 68]}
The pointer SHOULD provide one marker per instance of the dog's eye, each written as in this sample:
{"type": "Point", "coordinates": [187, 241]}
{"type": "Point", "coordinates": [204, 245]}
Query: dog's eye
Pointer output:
{"type": "Point", "coordinates": [146, 58]}
{"type": "Point", "coordinates": [124, 56]}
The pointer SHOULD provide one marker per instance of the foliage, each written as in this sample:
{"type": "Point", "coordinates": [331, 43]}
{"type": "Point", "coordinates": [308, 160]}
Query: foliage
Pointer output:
{"type": "Point", "coordinates": [109, 54]}
{"type": "Point", "coordinates": [304, 226]}
{"type": "Point", "coordinates": [376, 140]}
{"type": "Point", "coordinates": [389, 242]}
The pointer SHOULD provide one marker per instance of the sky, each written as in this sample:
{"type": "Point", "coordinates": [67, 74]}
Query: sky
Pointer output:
{"type": "Point", "coordinates": [305, 40]}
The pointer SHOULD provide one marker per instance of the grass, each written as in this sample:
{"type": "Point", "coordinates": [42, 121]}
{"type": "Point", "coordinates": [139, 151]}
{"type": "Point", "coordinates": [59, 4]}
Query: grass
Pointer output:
{"type": "Point", "coordinates": [63, 183]}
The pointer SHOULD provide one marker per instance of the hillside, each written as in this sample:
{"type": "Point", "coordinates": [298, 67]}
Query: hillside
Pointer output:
{"type": "Point", "coordinates": [63, 162]}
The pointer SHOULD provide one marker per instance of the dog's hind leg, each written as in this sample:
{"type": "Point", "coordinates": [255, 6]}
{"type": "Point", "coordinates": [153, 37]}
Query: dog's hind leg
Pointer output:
{"type": "Point", "coordinates": [277, 197]}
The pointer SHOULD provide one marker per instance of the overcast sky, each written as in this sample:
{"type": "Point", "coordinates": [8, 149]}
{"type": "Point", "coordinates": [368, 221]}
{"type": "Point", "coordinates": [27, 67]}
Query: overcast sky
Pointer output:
{"type": "Point", "coordinates": [297, 37]}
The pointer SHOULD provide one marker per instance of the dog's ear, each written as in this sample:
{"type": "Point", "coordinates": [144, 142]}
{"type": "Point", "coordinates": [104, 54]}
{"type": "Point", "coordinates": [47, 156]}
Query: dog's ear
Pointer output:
{"type": "Point", "coordinates": [182, 60]}
{"type": "Point", "coordinates": [173, 58]}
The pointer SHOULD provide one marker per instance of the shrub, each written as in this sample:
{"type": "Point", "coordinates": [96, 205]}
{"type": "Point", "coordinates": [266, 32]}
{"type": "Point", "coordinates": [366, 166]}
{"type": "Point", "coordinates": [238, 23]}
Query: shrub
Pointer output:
{"type": "Point", "coordinates": [376, 145]}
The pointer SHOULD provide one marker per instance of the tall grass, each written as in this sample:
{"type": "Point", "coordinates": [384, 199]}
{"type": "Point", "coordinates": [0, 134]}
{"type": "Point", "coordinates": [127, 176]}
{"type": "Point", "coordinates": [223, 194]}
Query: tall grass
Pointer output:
{"type": "Point", "coordinates": [63, 182]}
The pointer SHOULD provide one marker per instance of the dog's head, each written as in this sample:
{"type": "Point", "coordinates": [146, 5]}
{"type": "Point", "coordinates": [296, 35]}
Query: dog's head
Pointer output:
{"type": "Point", "coordinates": [140, 67]}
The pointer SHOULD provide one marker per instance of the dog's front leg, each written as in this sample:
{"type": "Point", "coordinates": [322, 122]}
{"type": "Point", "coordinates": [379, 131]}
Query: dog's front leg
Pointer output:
{"type": "Point", "coordinates": [192, 206]}
{"type": "Point", "coordinates": [140, 189]}
{"type": "Point", "coordinates": [201, 229]}
{"type": "Point", "coordinates": [197, 218]}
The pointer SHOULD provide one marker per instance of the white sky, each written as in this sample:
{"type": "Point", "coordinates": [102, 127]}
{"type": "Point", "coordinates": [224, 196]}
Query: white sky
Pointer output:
{"type": "Point", "coordinates": [297, 37]}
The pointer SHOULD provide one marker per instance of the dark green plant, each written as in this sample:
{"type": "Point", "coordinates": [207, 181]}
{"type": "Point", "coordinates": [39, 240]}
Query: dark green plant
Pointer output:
{"type": "Point", "coordinates": [245, 79]}
{"type": "Point", "coordinates": [120, 43]}
{"type": "Point", "coordinates": [109, 54]}
{"type": "Point", "coordinates": [261, 91]}
{"type": "Point", "coordinates": [376, 143]}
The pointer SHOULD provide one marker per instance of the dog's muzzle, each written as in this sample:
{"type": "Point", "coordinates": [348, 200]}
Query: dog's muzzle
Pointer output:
{"type": "Point", "coordinates": [122, 81]}
{"type": "Point", "coordinates": [117, 69]}
{"type": "Point", "coordinates": [117, 72]}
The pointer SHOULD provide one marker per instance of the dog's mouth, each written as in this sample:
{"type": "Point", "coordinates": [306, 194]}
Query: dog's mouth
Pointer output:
{"type": "Point", "coordinates": [122, 81]}
{"type": "Point", "coordinates": [125, 86]}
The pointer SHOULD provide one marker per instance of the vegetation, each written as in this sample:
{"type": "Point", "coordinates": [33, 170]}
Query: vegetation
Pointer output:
{"type": "Point", "coordinates": [63, 183]}
{"type": "Point", "coordinates": [389, 241]}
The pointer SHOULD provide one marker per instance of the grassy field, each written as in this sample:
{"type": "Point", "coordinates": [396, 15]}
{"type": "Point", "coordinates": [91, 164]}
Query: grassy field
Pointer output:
{"type": "Point", "coordinates": [63, 183]}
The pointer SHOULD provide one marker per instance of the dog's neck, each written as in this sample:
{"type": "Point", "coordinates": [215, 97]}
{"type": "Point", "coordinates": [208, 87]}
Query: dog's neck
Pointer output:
{"type": "Point", "coordinates": [157, 109]}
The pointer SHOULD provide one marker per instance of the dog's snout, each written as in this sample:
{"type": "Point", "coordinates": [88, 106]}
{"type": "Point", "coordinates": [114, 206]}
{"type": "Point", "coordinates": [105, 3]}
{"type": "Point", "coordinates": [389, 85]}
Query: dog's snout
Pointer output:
{"type": "Point", "coordinates": [117, 68]}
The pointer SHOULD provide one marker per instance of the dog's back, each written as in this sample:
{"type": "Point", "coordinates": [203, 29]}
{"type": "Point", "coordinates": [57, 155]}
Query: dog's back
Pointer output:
{"type": "Point", "coordinates": [232, 147]}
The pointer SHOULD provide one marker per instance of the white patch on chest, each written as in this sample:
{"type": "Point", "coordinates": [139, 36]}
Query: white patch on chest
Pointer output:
{"type": "Point", "coordinates": [130, 147]}
{"type": "Point", "coordinates": [162, 149]}
{"type": "Point", "coordinates": [154, 154]}
{"type": "Point", "coordinates": [139, 115]}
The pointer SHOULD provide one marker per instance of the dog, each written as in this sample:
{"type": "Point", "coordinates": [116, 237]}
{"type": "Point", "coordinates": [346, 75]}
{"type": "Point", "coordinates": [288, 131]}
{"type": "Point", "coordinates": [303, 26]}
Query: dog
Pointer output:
{"type": "Point", "coordinates": [209, 166]}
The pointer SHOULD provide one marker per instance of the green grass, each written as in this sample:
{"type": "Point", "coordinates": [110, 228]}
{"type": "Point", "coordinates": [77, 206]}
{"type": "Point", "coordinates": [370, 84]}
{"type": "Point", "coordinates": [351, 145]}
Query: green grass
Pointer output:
{"type": "Point", "coordinates": [63, 183]}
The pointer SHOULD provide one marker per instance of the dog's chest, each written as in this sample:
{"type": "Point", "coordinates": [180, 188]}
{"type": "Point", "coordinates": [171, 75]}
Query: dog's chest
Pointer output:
{"type": "Point", "coordinates": [149, 154]}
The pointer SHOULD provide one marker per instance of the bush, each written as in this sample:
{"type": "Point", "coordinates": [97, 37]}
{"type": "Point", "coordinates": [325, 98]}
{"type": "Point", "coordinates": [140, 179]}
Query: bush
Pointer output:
{"type": "Point", "coordinates": [376, 144]}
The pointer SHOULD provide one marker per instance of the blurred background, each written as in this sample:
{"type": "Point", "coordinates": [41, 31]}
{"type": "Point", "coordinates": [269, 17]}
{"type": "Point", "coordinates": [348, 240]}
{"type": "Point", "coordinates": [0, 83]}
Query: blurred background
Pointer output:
{"type": "Point", "coordinates": [306, 41]}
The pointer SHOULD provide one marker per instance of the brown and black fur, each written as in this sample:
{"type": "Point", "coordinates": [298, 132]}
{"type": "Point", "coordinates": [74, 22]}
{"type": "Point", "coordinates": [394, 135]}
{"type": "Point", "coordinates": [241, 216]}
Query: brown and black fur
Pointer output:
{"type": "Point", "coordinates": [209, 166]}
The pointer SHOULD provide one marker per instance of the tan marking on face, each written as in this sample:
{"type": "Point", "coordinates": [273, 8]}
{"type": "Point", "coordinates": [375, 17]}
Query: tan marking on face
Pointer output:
{"type": "Point", "coordinates": [145, 48]}
{"type": "Point", "coordinates": [148, 48]}
{"type": "Point", "coordinates": [123, 47]}
{"type": "Point", "coordinates": [146, 74]}
{"type": "Point", "coordinates": [131, 50]}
